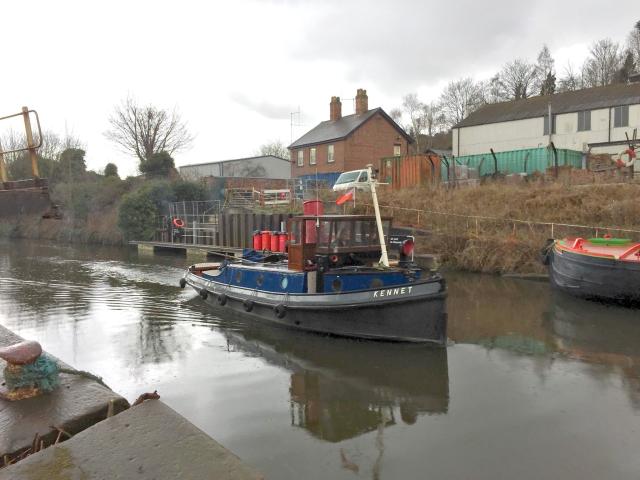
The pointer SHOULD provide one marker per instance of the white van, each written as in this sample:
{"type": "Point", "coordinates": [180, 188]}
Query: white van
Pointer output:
{"type": "Point", "coordinates": [358, 179]}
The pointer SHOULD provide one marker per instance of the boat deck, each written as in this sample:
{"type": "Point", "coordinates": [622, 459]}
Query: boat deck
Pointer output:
{"type": "Point", "coordinates": [629, 252]}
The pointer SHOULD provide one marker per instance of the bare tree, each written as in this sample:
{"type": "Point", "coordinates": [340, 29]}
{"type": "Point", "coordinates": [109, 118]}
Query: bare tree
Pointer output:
{"type": "Point", "coordinates": [633, 43]}
{"type": "Point", "coordinates": [144, 130]}
{"type": "Point", "coordinates": [417, 113]}
{"type": "Point", "coordinates": [518, 79]}
{"type": "Point", "coordinates": [603, 64]}
{"type": "Point", "coordinates": [396, 115]}
{"type": "Point", "coordinates": [571, 80]}
{"type": "Point", "coordinates": [459, 99]}
{"type": "Point", "coordinates": [275, 148]}
{"type": "Point", "coordinates": [545, 72]}
{"type": "Point", "coordinates": [492, 90]}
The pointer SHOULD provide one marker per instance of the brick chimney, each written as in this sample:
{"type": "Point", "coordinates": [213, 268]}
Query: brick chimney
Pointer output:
{"type": "Point", "coordinates": [362, 101]}
{"type": "Point", "coordinates": [335, 109]}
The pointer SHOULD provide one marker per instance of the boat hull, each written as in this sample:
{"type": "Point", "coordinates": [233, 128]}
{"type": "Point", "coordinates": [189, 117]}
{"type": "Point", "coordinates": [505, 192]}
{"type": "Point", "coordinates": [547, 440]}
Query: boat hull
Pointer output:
{"type": "Point", "coordinates": [412, 313]}
{"type": "Point", "coordinates": [593, 277]}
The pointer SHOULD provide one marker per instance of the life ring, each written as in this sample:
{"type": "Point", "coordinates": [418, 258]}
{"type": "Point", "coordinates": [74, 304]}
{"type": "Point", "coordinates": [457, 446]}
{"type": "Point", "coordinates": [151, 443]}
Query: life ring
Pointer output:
{"type": "Point", "coordinates": [178, 223]}
{"type": "Point", "coordinates": [222, 299]}
{"type": "Point", "coordinates": [248, 305]}
{"type": "Point", "coordinates": [631, 156]}
{"type": "Point", "coordinates": [204, 293]}
{"type": "Point", "coordinates": [280, 310]}
{"type": "Point", "coordinates": [183, 283]}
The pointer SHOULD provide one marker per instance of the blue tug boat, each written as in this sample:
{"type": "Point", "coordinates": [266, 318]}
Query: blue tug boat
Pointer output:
{"type": "Point", "coordinates": [335, 279]}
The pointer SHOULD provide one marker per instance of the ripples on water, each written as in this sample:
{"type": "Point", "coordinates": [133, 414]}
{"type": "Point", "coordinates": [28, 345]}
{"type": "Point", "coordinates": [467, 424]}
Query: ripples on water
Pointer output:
{"type": "Point", "coordinates": [529, 372]}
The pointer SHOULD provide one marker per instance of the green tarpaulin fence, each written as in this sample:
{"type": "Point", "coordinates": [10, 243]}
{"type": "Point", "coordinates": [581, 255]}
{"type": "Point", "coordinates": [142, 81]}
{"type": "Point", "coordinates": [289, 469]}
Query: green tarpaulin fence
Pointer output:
{"type": "Point", "coordinates": [536, 160]}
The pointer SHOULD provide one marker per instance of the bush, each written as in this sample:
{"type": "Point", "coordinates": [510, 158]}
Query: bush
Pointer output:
{"type": "Point", "coordinates": [186, 191]}
{"type": "Point", "coordinates": [137, 216]}
{"type": "Point", "coordinates": [111, 170]}
{"type": "Point", "coordinates": [158, 165]}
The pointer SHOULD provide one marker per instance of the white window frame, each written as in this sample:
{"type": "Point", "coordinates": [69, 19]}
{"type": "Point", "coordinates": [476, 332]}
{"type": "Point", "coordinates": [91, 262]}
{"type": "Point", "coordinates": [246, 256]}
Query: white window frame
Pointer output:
{"type": "Point", "coordinates": [331, 154]}
{"type": "Point", "coordinates": [397, 148]}
{"type": "Point", "coordinates": [300, 158]}
{"type": "Point", "coordinates": [312, 156]}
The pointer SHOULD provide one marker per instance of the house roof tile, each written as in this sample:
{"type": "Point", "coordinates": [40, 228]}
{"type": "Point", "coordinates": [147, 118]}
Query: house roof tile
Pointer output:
{"type": "Point", "coordinates": [331, 130]}
{"type": "Point", "coordinates": [587, 99]}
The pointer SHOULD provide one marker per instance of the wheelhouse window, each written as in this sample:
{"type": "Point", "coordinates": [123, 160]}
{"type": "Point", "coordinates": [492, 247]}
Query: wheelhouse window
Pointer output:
{"type": "Point", "coordinates": [312, 156]}
{"type": "Point", "coordinates": [295, 233]}
{"type": "Point", "coordinates": [336, 234]}
{"type": "Point", "coordinates": [584, 121]}
{"type": "Point", "coordinates": [621, 116]}
{"type": "Point", "coordinates": [330, 153]}
{"type": "Point", "coordinates": [300, 158]}
{"type": "Point", "coordinates": [545, 130]}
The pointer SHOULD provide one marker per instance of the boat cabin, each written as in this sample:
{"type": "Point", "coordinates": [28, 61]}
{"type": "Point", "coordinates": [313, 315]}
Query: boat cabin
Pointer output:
{"type": "Point", "coordinates": [334, 241]}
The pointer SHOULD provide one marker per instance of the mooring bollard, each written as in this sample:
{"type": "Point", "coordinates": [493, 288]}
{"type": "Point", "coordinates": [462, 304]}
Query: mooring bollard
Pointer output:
{"type": "Point", "coordinates": [28, 373]}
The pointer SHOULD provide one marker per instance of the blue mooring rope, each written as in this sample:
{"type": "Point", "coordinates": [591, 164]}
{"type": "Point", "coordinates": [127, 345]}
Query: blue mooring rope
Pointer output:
{"type": "Point", "coordinates": [42, 374]}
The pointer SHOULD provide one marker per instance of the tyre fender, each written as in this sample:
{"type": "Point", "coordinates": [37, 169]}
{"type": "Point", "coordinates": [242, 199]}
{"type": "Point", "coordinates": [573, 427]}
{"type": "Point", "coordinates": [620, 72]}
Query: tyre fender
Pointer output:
{"type": "Point", "coordinates": [280, 310]}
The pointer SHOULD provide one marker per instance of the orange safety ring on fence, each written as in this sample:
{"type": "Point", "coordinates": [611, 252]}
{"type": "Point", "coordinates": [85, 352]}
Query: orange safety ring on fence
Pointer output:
{"type": "Point", "coordinates": [178, 223]}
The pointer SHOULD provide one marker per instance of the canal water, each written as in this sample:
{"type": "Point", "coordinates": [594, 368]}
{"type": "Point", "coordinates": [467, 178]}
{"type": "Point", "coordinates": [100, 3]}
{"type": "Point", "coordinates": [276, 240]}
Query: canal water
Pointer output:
{"type": "Point", "coordinates": [533, 385]}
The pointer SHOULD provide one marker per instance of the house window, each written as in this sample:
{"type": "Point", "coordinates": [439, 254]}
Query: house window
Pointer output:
{"type": "Point", "coordinates": [300, 158]}
{"type": "Point", "coordinates": [584, 121]}
{"type": "Point", "coordinates": [621, 116]}
{"type": "Point", "coordinates": [330, 157]}
{"type": "Point", "coordinates": [312, 156]}
{"type": "Point", "coordinates": [397, 150]}
{"type": "Point", "coordinates": [546, 125]}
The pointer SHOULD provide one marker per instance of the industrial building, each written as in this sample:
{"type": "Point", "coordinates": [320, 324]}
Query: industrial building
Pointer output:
{"type": "Point", "coordinates": [266, 166]}
{"type": "Point", "coordinates": [593, 120]}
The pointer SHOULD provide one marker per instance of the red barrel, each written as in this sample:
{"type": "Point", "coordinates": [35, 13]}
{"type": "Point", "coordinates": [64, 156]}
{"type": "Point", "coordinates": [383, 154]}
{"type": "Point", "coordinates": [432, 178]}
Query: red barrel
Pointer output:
{"type": "Point", "coordinates": [257, 240]}
{"type": "Point", "coordinates": [282, 242]}
{"type": "Point", "coordinates": [266, 239]}
{"type": "Point", "coordinates": [311, 207]}
{"type": "Point", "coordinates": [274, 241]}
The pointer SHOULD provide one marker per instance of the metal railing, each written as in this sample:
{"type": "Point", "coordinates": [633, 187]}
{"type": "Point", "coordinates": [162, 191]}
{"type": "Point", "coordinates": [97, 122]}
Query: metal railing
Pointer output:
{"type": "Point", "coordinates": [195, 222]}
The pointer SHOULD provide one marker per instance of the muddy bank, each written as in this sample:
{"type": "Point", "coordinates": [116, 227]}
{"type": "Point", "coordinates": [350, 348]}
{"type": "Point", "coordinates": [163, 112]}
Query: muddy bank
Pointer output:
{"type": "Point", "coordinates": [99, 229]}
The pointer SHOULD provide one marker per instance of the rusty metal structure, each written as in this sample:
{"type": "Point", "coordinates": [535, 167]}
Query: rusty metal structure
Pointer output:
{"type": "Point", "coordinates": [31, 146]}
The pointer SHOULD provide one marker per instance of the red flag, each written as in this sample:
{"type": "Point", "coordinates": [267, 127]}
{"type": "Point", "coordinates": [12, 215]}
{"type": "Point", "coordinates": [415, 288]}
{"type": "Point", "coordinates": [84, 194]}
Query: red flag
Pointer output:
{"type": "Point", "coordinates": [345, 198]}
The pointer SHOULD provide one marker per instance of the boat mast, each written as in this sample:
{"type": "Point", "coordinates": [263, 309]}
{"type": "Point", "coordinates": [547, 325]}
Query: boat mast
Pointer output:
{"type": "Point", "coordinates": [384, 260]}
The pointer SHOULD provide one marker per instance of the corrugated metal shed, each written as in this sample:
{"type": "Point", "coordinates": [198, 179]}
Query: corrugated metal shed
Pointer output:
{"type": "Point", "coordinates": [267, 166]}
{"type": "Point", "coordinates": [410, 171]}
{"type": "Point", "coordinates": [519, 161]}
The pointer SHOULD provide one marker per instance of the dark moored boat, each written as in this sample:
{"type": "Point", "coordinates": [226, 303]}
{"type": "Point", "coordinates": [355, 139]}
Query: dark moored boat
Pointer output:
{"type": "Point", "coordinates": [331, 282]}
{"type": "Point", "coordinates": [597, 268]}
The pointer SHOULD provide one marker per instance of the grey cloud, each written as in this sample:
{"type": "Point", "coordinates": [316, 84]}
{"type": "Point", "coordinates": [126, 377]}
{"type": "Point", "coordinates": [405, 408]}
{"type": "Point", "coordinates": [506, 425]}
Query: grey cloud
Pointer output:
{"type": "Point", "coordinates": [405, 43]}
{"type": "Point", "coordinates": [272, 110]}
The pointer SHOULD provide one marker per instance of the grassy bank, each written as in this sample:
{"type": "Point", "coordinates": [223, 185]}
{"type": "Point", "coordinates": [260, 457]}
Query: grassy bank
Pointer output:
{"type": "Point", "coordinates": [475, 228]}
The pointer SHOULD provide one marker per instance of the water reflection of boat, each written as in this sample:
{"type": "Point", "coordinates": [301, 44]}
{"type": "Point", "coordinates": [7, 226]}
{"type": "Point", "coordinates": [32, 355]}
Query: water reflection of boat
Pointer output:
{"type": "Point", "coordinates": [343, 388]}
{"type": "Point", "coordinates": [581, 334]}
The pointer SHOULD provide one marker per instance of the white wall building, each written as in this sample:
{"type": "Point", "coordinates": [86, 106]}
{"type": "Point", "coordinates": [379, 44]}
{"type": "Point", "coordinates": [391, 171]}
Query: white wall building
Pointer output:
{"type": "Point", "coordinates": [591, 120]}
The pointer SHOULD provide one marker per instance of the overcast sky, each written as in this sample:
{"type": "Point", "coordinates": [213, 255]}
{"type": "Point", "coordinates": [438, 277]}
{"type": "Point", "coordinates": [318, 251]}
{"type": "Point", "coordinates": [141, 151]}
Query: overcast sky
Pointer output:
{"type": "Point", "coordinates": [236, 69]}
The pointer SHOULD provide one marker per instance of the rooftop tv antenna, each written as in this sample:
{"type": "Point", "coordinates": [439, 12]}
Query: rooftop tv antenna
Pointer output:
{"type": "Point", "coordinates": [295, 121]}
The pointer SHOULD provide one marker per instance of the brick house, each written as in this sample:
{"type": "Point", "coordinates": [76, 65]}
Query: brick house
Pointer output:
{"type": "Point", "coordinates": [347, 143]}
